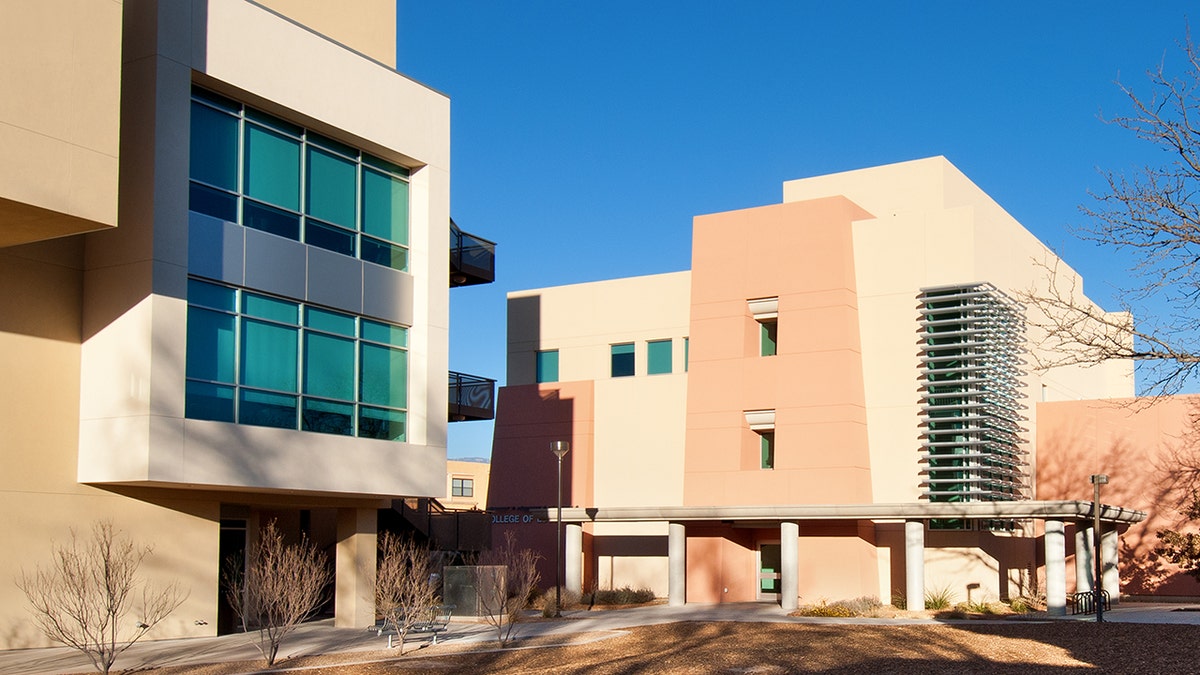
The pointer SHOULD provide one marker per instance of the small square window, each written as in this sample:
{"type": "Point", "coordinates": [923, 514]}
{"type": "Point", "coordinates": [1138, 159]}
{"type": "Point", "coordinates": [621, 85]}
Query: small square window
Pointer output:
{"type": "Point", "coordinates": [622, 360]}
{"type": "Point", "coordinates": [462, 487]}
{"type": "Point", "coordinates": [547, 366]}
{"type": "Point", "coordinates": [658, 357]}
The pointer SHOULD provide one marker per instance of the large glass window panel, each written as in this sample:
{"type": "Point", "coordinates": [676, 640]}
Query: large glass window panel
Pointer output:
{"type": "Point", "coordinates": [332, 187]}
{"type": "Point", "coordinates": [212, 202]}
{"type": "Point", "coordinates": [383, 253]}
{"type": "Point", "coordinates": [272, 166]}
{"type": "Point", "coordinates": [268, 355]}
{"type": "Point", "coordinates": [379, 423]}
{"type": "Point", "coordinates": [330, 322]}
{"type": "Point", "coordinates": [206, 401]}
{"type": "Point", "coordinates": [327, 417]}
{"type": "Point", "coordinates": [622, 360]}
{"type": "Point", "coordinates": [211, 345]}
{"type": "Point", "coordinates": [547, 366]}
{"type": "Point", "coordinates": [383, 372]}
{"type": "Point", "coordinates": [266, 409]}
{"type": "Point", "coordinates": [388, 334]}
{"type": "Point", "coordinates": [214, 147]}
{"type": "Point", "coordinates": [211, 295]}
{"type": "Point", "coordinates": [269, 219]}
{"type": "Point", "coordinates": [385, 207]}
{"type": "Point", "coordinates": [274, 309]}
{"type": "Point", "coordinates": [658, 357]}
{"type": "Point", "coordinates": [329, 237]}
{"type": "Point", "coordinates": [328, 366]}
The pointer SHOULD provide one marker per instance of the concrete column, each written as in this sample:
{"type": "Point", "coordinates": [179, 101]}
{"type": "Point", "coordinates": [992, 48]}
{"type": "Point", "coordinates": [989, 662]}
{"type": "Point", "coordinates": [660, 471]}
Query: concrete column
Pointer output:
{"type": "Point", "coordinates": [1056, 568]}
{"type": "Point", "coordinates": [1085, 568]}
{"type": "Point", "coordinates": [354, 595]}
{"type": "Point", "coordinates": [789, 565]}
{"type": "Point", "coordinates": [573, 558]}
{"type": "Point", "coordinates": [676, 564]}
{"type": "Point", "coordinates": [914, 564]}
{"type": "Point", "coordinates": [1111, 573]}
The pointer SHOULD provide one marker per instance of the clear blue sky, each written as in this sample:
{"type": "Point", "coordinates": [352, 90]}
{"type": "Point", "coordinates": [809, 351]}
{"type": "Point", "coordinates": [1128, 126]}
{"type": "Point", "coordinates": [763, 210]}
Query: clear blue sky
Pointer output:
{"type": "Point", "coordinates": [586, 135]}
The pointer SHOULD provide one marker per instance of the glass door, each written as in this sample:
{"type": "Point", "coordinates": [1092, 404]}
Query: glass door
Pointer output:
{"type": "Point", "coordinates": [768, 571]}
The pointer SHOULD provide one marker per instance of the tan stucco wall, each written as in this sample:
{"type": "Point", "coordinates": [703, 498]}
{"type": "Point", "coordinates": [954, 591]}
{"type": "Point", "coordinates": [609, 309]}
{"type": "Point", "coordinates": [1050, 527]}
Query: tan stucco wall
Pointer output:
{"type": "Point", "coordinates": [367, 26]}
{"type": "Point", "coordinates": [479, 472]}
{"type": "Point", "coordinates": [60, 71]}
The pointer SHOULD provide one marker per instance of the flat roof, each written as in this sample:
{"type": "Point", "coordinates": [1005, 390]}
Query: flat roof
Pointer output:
{"type": "Point", "coordinates": [1017, 510]}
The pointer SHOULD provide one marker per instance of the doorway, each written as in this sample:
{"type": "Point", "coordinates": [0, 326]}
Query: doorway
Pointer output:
{"type": "Point", "coordinates": [769, 558]}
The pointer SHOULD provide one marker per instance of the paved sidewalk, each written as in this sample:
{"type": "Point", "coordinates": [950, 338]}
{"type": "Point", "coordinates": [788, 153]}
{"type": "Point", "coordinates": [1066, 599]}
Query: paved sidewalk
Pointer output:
{"type": "Point", "coordinates": [321, 637]}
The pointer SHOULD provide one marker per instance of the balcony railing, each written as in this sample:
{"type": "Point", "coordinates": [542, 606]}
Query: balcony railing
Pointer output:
{"type": "Point", "coordinates": [471, 397]}
{"type": "Point", "coordinates": [472, 259]}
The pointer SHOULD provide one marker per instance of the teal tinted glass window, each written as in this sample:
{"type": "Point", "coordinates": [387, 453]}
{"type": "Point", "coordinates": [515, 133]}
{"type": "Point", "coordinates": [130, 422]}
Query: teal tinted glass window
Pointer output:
{"type": "Point", "coordinates": [767, 447]}
{"type": "Point", "coordinates": [331, 187]}
{"type": "Point", "coordinates": [266, 409]}
{"type": "Point", "coordinates": [327, 417]}
{"type": "Point", "coordinates": [384, 376]}
{"type": "Point", "coordinates": [385, 207]}
{"type": "Point", "coordinates": [547, 366]}
{"type": "Point", "coordinates": [330, 322]}
{"type": "Point", "coordinates": [622, 360]}
{"type": "Point", "coordinates": [384, 333]}
{"type": "Point", "coordinates": [211, 345]}
{"type": "Point", "coordinates": [274, 309]}
{"type": "Point", "coordinates": [269, 354]}
{"type": "Point", "coordinates": [272, 166]}
{"type": "Point", "coordinates": [214, 147]}
{"type": "Point", "coordinates": [768, 335]}
{"type": "Point", "coordinates": [658, 357]}
{"type": "Point", "coordinates": [211, 295]}
{"type": "Point", "coordinates": [328, 366]}
{"type": "Point", "coordinates": [379, 423]}
{"type": "Point", "coordinates": [207, 401]}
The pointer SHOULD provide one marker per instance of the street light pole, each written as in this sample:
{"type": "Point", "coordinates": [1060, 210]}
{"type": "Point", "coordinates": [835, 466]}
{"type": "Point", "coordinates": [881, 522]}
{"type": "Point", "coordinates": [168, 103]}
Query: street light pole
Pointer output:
{"type": "Point", "coordinates": [1097, 479]}
{"type": "Point", "coordinates": [559, 448]}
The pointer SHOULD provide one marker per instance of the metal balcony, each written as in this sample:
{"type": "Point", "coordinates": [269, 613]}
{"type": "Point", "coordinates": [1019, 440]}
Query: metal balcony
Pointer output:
{"type": "Point", "coordinates": [471, 397]}
{"type": "Point", "coordinates": [472, 259]}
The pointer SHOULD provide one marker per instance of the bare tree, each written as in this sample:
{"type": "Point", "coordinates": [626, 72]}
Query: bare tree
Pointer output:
{"type": "Point", "coordinates": [1153, 215]}
{"type": "Point", "coordinates": [504, 580]}
{"type": "Point", "coordinates": [276, 588]}
{"type": "Point", "coordinates": [404, 592]}
{"type": "Point", "coordinates": [85, 596]}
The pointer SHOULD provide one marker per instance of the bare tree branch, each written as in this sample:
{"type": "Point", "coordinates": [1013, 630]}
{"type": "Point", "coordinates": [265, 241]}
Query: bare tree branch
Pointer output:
{"type": "Point", "coordinates": [404, 592]}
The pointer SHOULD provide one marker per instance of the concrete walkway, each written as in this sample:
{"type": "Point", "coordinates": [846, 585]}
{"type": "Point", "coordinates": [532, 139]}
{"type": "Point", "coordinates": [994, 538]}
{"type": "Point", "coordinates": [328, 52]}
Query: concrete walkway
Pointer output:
{"type": "Point", "coordinates": [321, 637]}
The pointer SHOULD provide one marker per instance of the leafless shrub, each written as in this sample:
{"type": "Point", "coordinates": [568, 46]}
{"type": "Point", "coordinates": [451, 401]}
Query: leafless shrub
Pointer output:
{"type": "Point", "coordinates": [404, 592]}
{"type": "Point", "coordinates": [505, 579]}
{"type": "Point", "coordinates": [84, 597]}
{"type": "Point", "coordinates": [276, 588]}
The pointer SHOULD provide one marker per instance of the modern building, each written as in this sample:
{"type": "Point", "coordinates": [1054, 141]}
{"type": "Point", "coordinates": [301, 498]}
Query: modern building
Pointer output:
{"type": "Point", "coordinates": [838, 399]}
{"type": "Point", "coordinates": [226, 255]}
{"type": "Point", "coordinates": [467, 484]}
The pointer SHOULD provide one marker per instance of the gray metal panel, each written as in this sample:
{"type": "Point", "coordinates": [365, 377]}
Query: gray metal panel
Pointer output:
{"type": "Point", "coordinates": [216, 249]}
{"type": "Point", "coordinates": [275, 264]}
{"type": "Point", "coordinates": [387, 294]}
{"type": "Point", "coordinates": [335, 280]}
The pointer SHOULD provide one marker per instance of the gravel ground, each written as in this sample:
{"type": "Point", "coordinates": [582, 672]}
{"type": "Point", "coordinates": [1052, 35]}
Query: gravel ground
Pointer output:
{"type": "Point", "coordinates": [768, 648]}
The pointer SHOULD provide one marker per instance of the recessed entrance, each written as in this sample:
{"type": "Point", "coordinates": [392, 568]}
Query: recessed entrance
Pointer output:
{"type": "Point", "coordinates": [769, 559]}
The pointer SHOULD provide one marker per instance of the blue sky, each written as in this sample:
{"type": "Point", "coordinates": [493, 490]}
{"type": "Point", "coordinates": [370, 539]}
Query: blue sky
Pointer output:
{"type": "Point", "coordinates": [586, 135]}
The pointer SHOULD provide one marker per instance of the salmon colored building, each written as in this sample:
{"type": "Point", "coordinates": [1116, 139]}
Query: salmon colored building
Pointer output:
{"type": "Point", "coordinates": [835, 401]}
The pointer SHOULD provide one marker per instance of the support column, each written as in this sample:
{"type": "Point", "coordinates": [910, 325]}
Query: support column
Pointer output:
{"type": "Point", "coordinates": [789, 565]}
{"type": "Point", "coordinates": [1056, 568]}
{"type": "Point", "coordinates": [1111, 574]}
{"type": "Point", "coordinates": [914, 564]}
{"type": "Point", "coordinates": [573, 558]}
{"type": "Point", "coordinates": [676, 564]}
{"type": "Point", "coordinates": [1085, 568]}
{"type": "Point", "coordinates": [354, 598]}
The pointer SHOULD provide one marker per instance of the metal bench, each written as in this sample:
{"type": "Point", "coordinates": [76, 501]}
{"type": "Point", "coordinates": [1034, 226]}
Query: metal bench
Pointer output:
{"type": "Point", "coordinates": [1084, 602]}
{"type": "Point", "coordinates": [435, 619]}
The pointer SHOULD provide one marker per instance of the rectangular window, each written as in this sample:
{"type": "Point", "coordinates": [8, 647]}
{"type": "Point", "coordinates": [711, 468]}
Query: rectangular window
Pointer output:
{"type": "Point", "coordinates": [687, 346]}
{"type": "Point", "coordinates": [658, 357]}
{"type": "Point", "coordinates": [251, 360]}
{"type": "Point", "coordinates": [767, 443]}
{"type": "Point", "coordinates": [622, 360]}
{"type": "Point", "coordinates": [768, 335]}
{"type": "Point", "coordinates": [547, 366]}
{"type": "Point", "coordinates": [262, 172]}
{"type": "Point", "coordinates": [462, 487]}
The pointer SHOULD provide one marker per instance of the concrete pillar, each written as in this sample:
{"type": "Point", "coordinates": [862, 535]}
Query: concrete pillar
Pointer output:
{"type": "Point", "coordinates": [573, 558]}
{"type": "Point", "coordinates": [1085, 567]}
{"type": "Point", "coordinates": [1111, 573]}
{"type": "Point", "coordinates": [354, 595]}
{"type": "Point", "coordinates": [1056, 568]}
{"type": "Point", "coordinates": [789, 565]}
{"type": "Point", "coordinates": [914, 564]}
{"type": "Point", "coordinates": [676, 564]}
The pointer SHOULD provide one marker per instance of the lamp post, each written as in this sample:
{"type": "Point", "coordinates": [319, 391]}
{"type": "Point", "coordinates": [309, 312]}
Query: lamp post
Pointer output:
{"type": "Point", "coordinates": [1098, 479]}
{"type": "Point", "coordinates": [559, 448]}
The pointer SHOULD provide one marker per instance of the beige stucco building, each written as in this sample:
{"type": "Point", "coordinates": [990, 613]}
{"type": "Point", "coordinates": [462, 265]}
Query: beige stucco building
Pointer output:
{"type": "Point", "coordinates": [226, 249]}
{"type": "Point", "coordinates": [837, 400]}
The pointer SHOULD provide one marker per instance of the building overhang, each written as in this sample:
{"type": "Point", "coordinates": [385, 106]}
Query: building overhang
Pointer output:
{"type": "Point", "coordinates": [1015, 510]}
